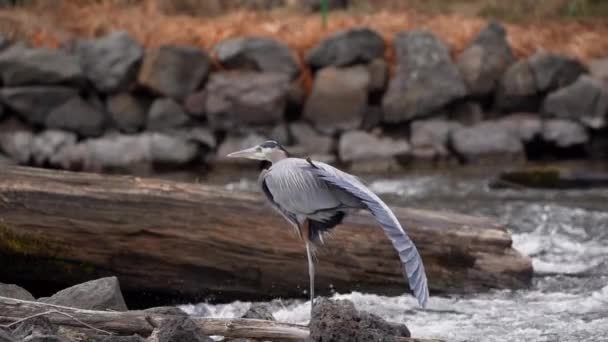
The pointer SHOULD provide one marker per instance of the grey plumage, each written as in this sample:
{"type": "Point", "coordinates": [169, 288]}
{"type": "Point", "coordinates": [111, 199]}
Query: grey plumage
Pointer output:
{"type": "Point", "coordinates": [315, 197]}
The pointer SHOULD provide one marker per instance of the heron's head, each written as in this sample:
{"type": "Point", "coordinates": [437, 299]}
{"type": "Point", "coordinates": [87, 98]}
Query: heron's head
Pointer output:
{"type": "Point", "coordinates": [269, 150]}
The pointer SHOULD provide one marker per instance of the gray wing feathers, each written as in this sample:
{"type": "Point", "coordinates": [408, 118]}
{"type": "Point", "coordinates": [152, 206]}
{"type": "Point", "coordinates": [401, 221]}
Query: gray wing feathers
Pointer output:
{"type": "Point", "coordinates": [410, 258]}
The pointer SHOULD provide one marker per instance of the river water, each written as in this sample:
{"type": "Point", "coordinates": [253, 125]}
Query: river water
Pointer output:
{"type": "Point", "coordinates": [565, 232]}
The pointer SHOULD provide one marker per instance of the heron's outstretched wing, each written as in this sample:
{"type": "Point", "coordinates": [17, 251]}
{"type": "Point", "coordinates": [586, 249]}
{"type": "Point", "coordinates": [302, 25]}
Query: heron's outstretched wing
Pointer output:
{"type": "Point", "coordinates": [410, 258]}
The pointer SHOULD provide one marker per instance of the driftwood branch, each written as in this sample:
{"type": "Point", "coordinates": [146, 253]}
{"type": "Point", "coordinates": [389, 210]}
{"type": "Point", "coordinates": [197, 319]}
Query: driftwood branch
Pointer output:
{"type": "Point", "coordinates": [189, 241]}
{"type": "Point", "coordinates": [138, 322]}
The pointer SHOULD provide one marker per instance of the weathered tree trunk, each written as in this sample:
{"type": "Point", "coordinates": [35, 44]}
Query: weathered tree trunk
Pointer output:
{"type": "Point", "coordinates": [143, 323]}
{"type": "Point", "coordinates": [188, 240]}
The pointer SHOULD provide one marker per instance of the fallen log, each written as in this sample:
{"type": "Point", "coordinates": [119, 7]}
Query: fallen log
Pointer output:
{"type": "Point", "coordinates": [190, 241]}
{"type": "Point", "coordinates": [143, 323]}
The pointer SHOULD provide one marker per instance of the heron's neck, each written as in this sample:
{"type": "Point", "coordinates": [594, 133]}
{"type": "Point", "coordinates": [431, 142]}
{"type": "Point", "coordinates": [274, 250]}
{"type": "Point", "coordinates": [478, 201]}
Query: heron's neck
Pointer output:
{"type": "Point", "coordinates": [277, 155]}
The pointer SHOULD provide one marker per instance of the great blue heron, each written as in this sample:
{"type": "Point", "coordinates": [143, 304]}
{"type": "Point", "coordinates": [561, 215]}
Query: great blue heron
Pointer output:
{"type": "Point", "coordinates": [315, 197]}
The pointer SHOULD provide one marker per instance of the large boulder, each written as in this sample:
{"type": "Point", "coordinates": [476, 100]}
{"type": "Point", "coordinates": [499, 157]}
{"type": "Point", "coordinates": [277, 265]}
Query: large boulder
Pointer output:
{"type": "Point", "coordinates": [34, 103]}
{"type": "Point", "coordinates": [553, 71]}
{"type": "Point", "coordinates": [110, 62]}
{"type": "Point", "coordinates": [425, 79]}
{"type": "Point", "coordinates": [166, 113]}
{"type": "Point", "coordinates": [429, 138]}
{"type": "Point", "coordinates": [174, 71]}
{"type": "Point", "coordinates": [79, 116]}
{"type": "Point", "coordinates": [245, 98]}
{"type": "Point", "coordinates": [525, 126]}
{"type": "Point", "coordinates": [258, 54]}
{"type": "Point", "coordinates": [368, 152]}
{"type": "Point", "coordinates": [485, 59]}
{"type": "Point", "coordinates": [585, 100]}
{"type": "Point", "coordinates": [20, 65]}
{"type": "Point", "coordinates": [354, 46]}
{"type": "Point", "coordinates": [517, 89]}
{"type": "Point", "coordinates": [128, 112]}
{"type": "Point", "coordinates": [338, 99]}
{"type": "Point", "coordinates": [564, 133]}
{"type": "Point", "coordinates": [14, 291]}
{"type": "Point", "coordinates": [308, 141]}
{"type": "Point", "coordinates": [339, 321]}
{"type": "Point", "coordinates": [487, 141]}
{"type": "Point", "coordinates": [100, 294]}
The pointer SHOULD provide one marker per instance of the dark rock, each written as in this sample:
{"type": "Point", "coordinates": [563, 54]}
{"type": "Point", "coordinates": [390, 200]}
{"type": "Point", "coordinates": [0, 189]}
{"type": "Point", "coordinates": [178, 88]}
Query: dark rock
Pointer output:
{"type": "Point", "coordinates": [5, 336]}
{"type": "Point", "coordinates": [585, 100]}
{"type": "Point", "coordinates": [553, 71]}
{"type": "Point", "coordinates": [128, 113]}
{"type": "Point", "coordinates": [315, 5]}
{"type": "Point", "coordinates": [564, 133]}
{"type": "Point", "coordinates": [174, 71]}
{"type": "Point", "coordinates": [98, 294]}
{"type": "Point", "coordinates": [166, 113]}
{"type": "Point", "coordinates": [47, 144]}
{"type": "Point", "coordinates": [308, 141]}
{"type": "Point", "coordinates": [429, 138]}
{"type": "Point", "coordinates": [245, 98]}
{"type": "Point", "coordinates": [257, 54]}
{"type": "Point", "coordinates": [2, 111]}
{"type": "Point", "coordinates": [339, 321]}
{"type": "Point", "coordinates": [17, 145]}
{"type": "Point", "coordinates": [354, 46]}
{"type": "Point", "coordinates": [368, 152]}
{"type": "Point", "coordinates": [598, 68]}
{"type": "Point", "coordinates": [517, 89]}
{"type": "Point", "coordinates": [110, 62]}
{"type": "Point", "coordinates": [487, 141]}
{"type": "Point", "coordinates": [14, 291]}
{"type": "Point", "coordinates": [77, 115]}
{"type": "Point", "coordinates": [40, 325]}
{"type": "Point", "coordinates": [485, 59]}
{"type": "Point", "coordinates": [45, 338]}
{"type": "Point", "coordinates": [372, 118]}
{"type": "Point", "coordinates": [34, 103]}
{"type": "Point", "coordinates": [195, 103]}
{"type": "Point", "coordinates": [425, 80]}
{"type": "Point", "coordinates": [259, 311]}
{"type": "Point", "coordinates": [20, 65]}
{"type": "Point", "coordinates": [378, 75]}
{"type": "Point", "coordinates": [180, 329]}
{"type": "Point", "coordinates": [466, 112]}
{"type": "Point", "coordinates": [525, 126]}
{"type": "Point", "coordinates": [338, 99]}
{"type": "Point", "coordinates": [167, 310]}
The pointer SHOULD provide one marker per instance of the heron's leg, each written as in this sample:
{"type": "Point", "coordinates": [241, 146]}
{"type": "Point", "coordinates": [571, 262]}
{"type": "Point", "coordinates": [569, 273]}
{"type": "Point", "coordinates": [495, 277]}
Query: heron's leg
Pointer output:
{"type": "Point", "coordinates": [311, 264]}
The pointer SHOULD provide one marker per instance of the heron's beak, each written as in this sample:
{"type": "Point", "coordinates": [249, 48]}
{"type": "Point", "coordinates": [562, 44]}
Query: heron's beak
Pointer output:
{"type": "Point", "coordinates": [249, 153]}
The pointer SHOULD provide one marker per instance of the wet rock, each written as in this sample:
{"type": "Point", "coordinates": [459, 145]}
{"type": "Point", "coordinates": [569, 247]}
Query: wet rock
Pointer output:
{"type": "Point", "coordinates": [585, 100]}
{"type": "Point", "coordinates": [429, 138]}
{"type": "Point", "coordinates": [308, 141]}
{"type": "Point", "coordinates": [110, 62]}
{"type": "Point", "coordinates": [338, 99]}
{"type": "Point", "coordinates": [525, 126]}
{"type": "Point", "coordinates": [486, 141]}
{"type": "Point", "coordinates": [34, 103]}
{"type": "Point", "coordinates": [259, 311]}
{"type": "Point", "coordinates": [339, 321]}
{"type": "Point", "coordinates": [166, 113]}
{"type": "Point", "coordinates": [180, 329]}
{"type": "Point", "coordinates": [47, 144]}
{"type": "Point", "coordinates": [354, 46]}
{"type": "Point", "coordinates": [174, 71]}
{"type": "Point", "coordinates": [99, 294]}
{"type": "Point", "coordinates": [553, 71]}
{"type": "Point", "coordinates": [378, 75]}
{"type": "Point", "coordinates": [258, 54]}
{"type": "Point", "coordinates": [32, 327]}
{"type": "Point", "coordinates": [425, 79]}
{"type": "Point", "coordinates": [564, 133]}
{"type": "Point", "coordinates": [14, 291]}
{"type": "Point", "coordinates": [517, 90]}
{"type": "Point", "coordinates": [245, 98]}
{"type": "Point", "coordinates": [20, 65]}
{"type": "Point", "coordinates": [366, 150]}
{"type": "Point", "coordinates": [598, 68]}
{"type": "Point", "coordinates": [79, 116]}
{"type": "Point", "coordinates": [485, 59]}
{"type": "Point", "coordinates": [128, 113]}
{"type": "Point", "coordinates": [195, 104]}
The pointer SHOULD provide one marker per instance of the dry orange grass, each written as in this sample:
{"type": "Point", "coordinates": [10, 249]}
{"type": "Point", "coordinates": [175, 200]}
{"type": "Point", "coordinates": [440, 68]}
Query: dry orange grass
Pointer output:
{"type": "Point", "coordinates": [69, 19]}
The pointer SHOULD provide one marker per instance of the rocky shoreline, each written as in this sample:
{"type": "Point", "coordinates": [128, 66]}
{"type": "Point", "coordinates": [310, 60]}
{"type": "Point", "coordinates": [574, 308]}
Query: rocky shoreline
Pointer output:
{"type": "Point", "coordinates": [108, 104]}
